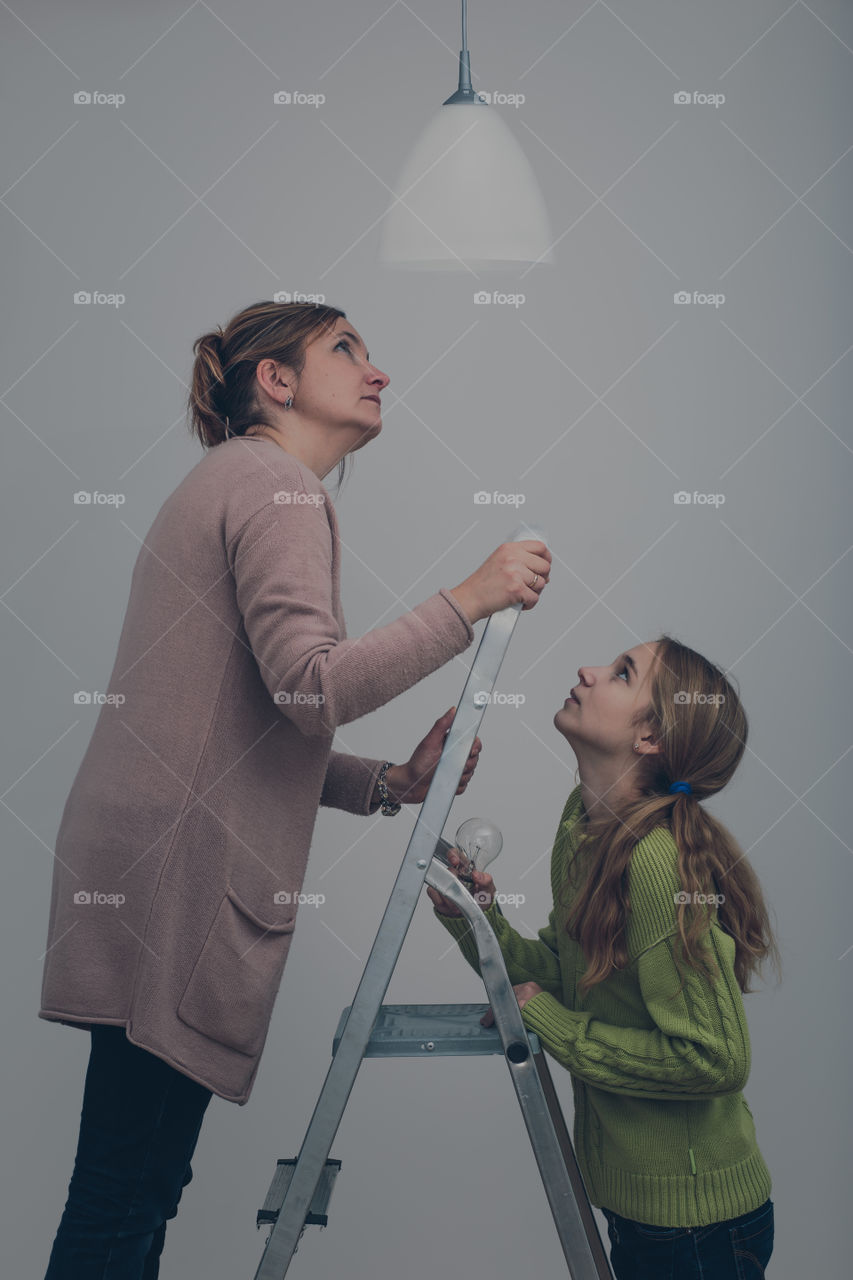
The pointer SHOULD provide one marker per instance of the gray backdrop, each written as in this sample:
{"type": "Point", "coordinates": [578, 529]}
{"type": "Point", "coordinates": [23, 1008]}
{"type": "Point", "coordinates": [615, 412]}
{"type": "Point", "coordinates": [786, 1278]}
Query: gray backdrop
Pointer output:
{"type": "Point", "coordinates": [597, 398]}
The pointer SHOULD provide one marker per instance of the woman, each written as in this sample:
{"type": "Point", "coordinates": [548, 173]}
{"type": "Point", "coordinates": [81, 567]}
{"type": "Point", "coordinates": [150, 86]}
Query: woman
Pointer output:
{"type": "Point", "coordinates": [183, 843]}
{"type": "Point", "coordinates": [634, 985]}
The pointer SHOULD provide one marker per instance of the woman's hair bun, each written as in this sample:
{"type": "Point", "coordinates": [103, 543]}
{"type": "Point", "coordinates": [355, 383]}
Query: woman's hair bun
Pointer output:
{"type": "Point", "coordinates": [225, 385]}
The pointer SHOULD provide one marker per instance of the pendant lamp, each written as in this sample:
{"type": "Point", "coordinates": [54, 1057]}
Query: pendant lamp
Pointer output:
{"type": "Point", "coordinates": [468, 196]}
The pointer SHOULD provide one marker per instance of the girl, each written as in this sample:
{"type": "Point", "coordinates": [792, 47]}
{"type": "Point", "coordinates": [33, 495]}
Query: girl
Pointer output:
{"type": "Point", "coordinates": [634, 985]}
{"type": "Point", "coordinates": [183, 843]}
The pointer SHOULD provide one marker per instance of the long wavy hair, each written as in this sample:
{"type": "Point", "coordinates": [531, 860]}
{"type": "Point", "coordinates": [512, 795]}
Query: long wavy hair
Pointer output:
{"type": "Point", "coordinates": [223, 399]}
{"type": "Point", "coordinates": [697, 718]}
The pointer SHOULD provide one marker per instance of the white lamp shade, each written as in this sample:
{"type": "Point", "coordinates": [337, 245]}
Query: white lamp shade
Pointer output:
{"type": "Point", "coordinates": [469, 193]}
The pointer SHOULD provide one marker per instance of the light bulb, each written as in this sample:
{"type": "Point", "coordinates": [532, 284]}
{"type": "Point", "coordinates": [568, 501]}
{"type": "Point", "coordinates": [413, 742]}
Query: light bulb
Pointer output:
{"type": "Point", "coordinates": [479, 842]}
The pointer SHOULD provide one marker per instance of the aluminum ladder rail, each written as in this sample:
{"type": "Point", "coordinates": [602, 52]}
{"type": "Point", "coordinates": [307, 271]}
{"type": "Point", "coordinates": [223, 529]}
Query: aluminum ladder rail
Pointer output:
{"type": "Point", "coordinates": [310, 1166]}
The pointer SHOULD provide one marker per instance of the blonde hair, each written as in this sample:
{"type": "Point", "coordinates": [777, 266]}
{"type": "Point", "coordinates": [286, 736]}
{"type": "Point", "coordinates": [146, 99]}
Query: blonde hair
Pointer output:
{"type": "Point", "coordinates": [696, 716]}
{"type": "Point", "coordinates": [223, 385]}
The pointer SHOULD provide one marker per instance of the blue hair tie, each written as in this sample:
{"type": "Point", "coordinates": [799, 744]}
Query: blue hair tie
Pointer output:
{"type": "Point", "coordinates": [684, 787]}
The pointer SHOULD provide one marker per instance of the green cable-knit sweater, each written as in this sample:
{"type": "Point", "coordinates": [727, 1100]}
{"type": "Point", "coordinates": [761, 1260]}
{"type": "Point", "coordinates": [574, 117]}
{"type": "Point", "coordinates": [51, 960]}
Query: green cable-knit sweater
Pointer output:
{"type": "Point", "coordinates": [662, 1131]}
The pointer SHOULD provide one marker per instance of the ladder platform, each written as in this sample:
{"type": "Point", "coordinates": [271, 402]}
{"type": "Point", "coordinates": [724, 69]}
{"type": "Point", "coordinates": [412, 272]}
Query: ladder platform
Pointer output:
{"type": "Point", "coordinates": [417, 1030]}
{"type": "Point", "coordinates": [316, 1216]}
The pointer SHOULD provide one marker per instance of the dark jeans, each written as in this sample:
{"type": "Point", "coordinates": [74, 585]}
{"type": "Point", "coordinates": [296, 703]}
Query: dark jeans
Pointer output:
{"type": "Point", "coordinates": [138, 1130]}
{"type": "Point", "coordinates": [737, 1249]}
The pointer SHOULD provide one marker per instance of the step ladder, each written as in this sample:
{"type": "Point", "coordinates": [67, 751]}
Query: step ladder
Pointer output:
{"type": "Point", "coordinates": [300, 1190]}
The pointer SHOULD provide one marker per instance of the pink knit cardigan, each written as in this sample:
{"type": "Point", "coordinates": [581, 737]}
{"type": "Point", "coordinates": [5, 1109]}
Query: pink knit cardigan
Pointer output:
{"type": "Point", "coordinates": [185, 836]}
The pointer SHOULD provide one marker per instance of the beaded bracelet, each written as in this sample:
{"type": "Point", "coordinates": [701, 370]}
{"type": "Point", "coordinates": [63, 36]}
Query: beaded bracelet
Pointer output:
{"type": "Point", "coordinates": [389, 807]}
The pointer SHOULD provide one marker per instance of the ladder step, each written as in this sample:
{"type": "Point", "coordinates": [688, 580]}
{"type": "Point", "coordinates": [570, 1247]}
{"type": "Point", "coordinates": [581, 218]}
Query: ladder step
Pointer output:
{"type": "Point", "coordinates": [316, 1216]}
{"type": "Point", "coordinates": [416, 1030]}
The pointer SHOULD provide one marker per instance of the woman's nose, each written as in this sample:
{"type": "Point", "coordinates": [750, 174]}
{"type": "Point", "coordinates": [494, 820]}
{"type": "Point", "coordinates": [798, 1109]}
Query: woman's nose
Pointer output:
{"type": "Point", "coordinates": [383, 378]}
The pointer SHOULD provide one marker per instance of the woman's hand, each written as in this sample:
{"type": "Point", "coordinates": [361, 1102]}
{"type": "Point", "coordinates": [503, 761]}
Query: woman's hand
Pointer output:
{"type": "Point", "coordinates": [523, 992]}
{"type": "Point", "coordinates": [408, 783]}
{"type": "Point", "coordinates": [483, 891]}
{"type": "Point", "coordinates": [515, 573]}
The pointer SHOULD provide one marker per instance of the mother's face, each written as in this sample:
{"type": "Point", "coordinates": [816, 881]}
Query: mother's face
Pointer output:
{"type": "Point", "coordinates": [339, 386]}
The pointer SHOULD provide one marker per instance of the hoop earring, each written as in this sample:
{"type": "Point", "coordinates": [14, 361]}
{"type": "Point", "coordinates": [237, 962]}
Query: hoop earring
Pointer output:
{"type": "Point", "coordinates": [288, 402]}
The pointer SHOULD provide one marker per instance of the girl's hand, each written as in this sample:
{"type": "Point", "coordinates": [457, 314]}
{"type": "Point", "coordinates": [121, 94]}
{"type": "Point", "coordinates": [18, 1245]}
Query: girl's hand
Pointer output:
{"type": "Point", "coordinates": [523, 992]}
{"type": "Point", "coordinates": [483, 893]}
{"type": "Point", "coordinates": [408, 783]}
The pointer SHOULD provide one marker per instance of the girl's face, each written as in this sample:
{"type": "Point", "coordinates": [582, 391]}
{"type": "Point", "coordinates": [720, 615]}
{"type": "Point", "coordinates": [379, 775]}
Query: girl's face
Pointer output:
{"type": "Point", "coordinates": [597, 715]}
{"type": "Point", "coordinates": [339, 387]}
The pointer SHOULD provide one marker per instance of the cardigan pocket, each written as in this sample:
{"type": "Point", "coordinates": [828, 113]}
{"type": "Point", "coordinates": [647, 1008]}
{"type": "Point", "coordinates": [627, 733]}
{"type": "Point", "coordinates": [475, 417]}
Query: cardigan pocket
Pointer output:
{"type": "Point", "coordinates": [232, 989]}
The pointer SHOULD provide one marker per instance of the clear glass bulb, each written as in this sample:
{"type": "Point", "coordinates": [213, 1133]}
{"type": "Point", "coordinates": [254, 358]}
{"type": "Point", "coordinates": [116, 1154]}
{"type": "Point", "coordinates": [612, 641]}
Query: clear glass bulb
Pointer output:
{"type": "Point", "coordinates": [479, 841]}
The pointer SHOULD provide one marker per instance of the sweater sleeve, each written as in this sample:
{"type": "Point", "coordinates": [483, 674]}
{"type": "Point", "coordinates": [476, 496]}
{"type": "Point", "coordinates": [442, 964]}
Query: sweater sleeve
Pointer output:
{"type": "Point", "coordinates": [350, 782]}
{"type": "Point", "coordinates": [281, 559]}
{"type": "Point", "coordinates": [526, 959]}
{"type": "Point", "coordinates": [696, 1046]}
